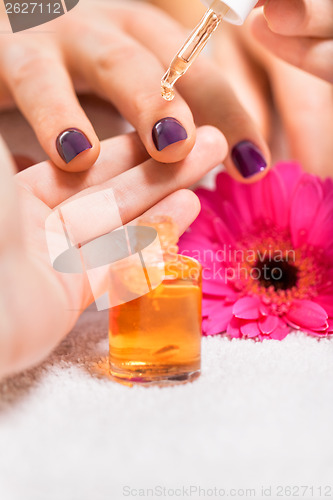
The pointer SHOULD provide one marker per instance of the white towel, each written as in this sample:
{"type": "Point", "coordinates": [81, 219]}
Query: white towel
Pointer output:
{"type": "Point", "coordinates": [259, 416]}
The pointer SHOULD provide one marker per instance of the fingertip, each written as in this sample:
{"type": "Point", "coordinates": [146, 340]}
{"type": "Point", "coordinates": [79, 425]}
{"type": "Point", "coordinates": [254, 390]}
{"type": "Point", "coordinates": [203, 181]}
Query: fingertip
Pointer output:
{"type": "Point", "coordinates": [171, 139]}
{"type": "Point", "coordinates": [248, 162]}
{"type": "Point", "coordinates": [76, 151]}
{"type": "Point", "coordinates": [284, 17]}
{"type": "Point", "coordinates": [213, 140]}
{"type": "Point", "coordinates": [193, 207]}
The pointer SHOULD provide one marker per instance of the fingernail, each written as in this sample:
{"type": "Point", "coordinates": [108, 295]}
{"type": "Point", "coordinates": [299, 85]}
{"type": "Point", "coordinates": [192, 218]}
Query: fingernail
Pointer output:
{"type": "Point", "coordinates": [70, 143]}
{"type": "Point", "coordinates": [248, 159]}
{"type": "Point", "coordinates": [168, 131]}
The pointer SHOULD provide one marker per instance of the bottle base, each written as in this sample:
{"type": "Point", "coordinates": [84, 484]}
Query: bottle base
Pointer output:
{"type": "Point", "coordinates": [148, 378]}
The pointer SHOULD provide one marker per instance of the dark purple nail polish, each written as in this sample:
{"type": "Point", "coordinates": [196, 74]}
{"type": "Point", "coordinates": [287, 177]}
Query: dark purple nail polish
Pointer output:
{"type": "Point", "coordinates": [168, 131]}
{"type": "Point", "coordinates": [248, 159]}
{"type": "Point", "coordinates": [70, 143]}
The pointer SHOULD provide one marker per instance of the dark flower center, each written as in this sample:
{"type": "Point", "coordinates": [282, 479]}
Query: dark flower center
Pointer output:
{"type": "Point", "coordinates": [282, 275]}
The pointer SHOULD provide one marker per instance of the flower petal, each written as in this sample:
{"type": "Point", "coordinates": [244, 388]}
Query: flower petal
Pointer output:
{"type": "Point", "coordinates": [218, 321]}
{"type": "Point", "coordinates": [304, 207]}
{"type": "Point", "coordinates": [326, 302]}
{"type": "Point", "coordinates": [291, 173]}
{"type": "Point", "coordinates": [233, 329]}
{"type": "Point", "coordinates": [275, 196]}
{"type": "Point", "coordinates": [250, 329]}
{"type": "Point", "coordinates": [268, 323]}
{"type": "Point", "coordinates": [263, 309]}
{"type": "Point", "coordinates": [216, 287]}
{"type": "Point", "coordinates": [321, 233]}
{"type": "Point", "coordinates": [223, 234]}
{"type": "Point", "coordinates": [231, 220]}
{"type": "Point", "coordinates": [247, 308]}
{"type": "Point", "coordinates": [307, 314]}
{"type": "Point", "coordinates": [280, 332]}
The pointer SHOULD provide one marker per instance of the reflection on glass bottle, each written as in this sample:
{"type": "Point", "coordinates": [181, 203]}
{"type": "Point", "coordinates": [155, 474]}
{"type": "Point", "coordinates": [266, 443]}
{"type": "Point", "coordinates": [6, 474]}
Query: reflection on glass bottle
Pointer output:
{"type": "Point", "coordinates": [156, 338]}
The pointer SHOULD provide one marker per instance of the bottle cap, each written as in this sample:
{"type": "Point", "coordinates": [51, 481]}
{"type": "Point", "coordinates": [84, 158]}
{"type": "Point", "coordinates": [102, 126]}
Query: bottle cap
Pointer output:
{"type": "Point", "coordinates": [239, 9]}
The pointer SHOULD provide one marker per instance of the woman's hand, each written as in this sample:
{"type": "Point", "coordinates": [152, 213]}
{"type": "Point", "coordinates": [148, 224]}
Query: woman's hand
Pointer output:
{"type": "Point", "coordinates": [120, 50]}
{"type": "Point", "coordinates": [293, 40]}
{"type": "Point", "coordinates": [300, 32]}
{"type": "Point", "coordinates": [38, 305]}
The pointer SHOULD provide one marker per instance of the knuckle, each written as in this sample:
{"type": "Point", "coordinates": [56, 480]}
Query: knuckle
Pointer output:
{"type": "Point", "coordinates": [143, 103]}
{"type": "Point", "coordinates": [26, 62]}
{"type": "Point", "coordinates": [114, 55]}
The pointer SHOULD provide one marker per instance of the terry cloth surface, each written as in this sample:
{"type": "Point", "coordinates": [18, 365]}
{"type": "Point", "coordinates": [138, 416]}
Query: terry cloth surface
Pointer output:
{"type": "Point", "coordinates": [260, 415]}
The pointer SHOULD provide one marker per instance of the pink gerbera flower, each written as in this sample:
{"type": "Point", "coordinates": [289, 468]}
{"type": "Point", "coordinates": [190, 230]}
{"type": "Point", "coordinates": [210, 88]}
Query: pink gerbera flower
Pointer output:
{"type": "Point", "coordinates": [267, 255]}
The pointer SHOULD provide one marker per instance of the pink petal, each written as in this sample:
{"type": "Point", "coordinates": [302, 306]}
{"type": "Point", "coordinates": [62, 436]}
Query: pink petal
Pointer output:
{"type": "Point", "coordinates": [233, 329]}
{"type": "Point", "coordinates": [223, 234]}
{"type": "Point", "coordinates": [328, 186]}
{"type": "Point", "coordinates": [263, 309]}
{"type": "Point", "coordinates": [256, 200]}
{"type": "Point", "coordinates": [304, 207]}
{"type": "Point", "coordinates": [247, 308]}
{"type": "Point", "coordinates": [250, 329]}
{"type": "Point", "coordinates": [234, 194]}
{"type": "Point", "coordinates": [326, 302]}
{"type": "Point", "coordinates": [307, 314]}
{"type": "Point", "coordinates": [203, 226]}
{"type": "Point", "coordinates": [314, 333]}
{"type": "Point", "coordinates": [291, 173]}
{"type": "Point", "coordinates": [242, 201]}
{"type": "Point", "coordinates": [216, 287]}
{"type": "Point", "coordinates": [275, 196]}
{"type": "Point", "coordinates": [218, 320]}
{"type": "Point", "coordinates": [330, 325]}
{"type": "Point", "coordinates": [268, 323]}
{"type": "Point", "coordinates": [292, 325]}
{"type": "Point", "coordinates": [231, 220]}
{"type": "Point", "coordinates": [208, 198]}
{"type": "Point", "coordinates": [225, 185]}
{"type": "Point", "coordinates": [280, 332]}
{"type": "Point", "coordinates": [321, 233]}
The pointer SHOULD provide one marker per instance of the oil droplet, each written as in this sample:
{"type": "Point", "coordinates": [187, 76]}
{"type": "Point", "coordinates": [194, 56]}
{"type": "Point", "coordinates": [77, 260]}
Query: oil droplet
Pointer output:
{"type": "Point", "coordinates": [167, 92]}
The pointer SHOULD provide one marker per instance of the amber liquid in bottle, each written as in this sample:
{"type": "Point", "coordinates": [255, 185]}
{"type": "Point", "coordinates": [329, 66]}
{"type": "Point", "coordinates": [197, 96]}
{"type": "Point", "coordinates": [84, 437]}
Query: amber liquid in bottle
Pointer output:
{"type": "Point", "coordinates": [156, 338]}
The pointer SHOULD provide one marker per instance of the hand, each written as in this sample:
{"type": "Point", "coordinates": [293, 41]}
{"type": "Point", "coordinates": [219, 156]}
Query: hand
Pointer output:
{"type": "Point", "coordinates": [300, 32]}
{"type": "Point", "coordinates": [293, 108]}
{"type": "Point", "coordinates": [120, 50]}
{"type": "Point", "coordinates": [39, 306]}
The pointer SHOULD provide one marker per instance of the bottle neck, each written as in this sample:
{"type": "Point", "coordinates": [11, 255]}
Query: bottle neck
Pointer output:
{"type": "Point", "coordinates": [167, 232]}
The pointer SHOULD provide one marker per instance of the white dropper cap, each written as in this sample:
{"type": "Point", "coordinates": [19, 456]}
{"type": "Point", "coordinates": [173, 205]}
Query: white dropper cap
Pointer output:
{"type": "Point", "coordinates": [239, 9]}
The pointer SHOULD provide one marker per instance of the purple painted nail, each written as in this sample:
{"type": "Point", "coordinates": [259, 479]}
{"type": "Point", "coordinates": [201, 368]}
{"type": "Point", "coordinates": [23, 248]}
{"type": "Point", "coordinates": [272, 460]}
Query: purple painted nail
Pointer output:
{"type": "Point", "coordinates": [70, 143]}
{"type": "Point", "coordinates": [168, 131]}
{"type": "Point", "coordinates": [248, 159]}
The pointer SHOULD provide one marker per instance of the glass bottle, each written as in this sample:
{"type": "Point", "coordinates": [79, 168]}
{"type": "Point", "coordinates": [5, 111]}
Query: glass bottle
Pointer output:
{"type": "Point", "coordinates": [156, 338]}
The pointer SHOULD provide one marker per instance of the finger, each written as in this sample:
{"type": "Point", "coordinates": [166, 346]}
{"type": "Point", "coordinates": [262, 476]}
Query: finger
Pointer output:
{"type": "Point", "coordinates": [10, 234]}
{"type": "Point", "coordinates": [127, 74]}
{"type": "Point", "coordinates": [310, 54]}
{"type": "Point", "coordinates": [52, 186]}
{"type": "Point", "coordinates": [140, 188]}
{"type": "Point", "coordinates": [42, 88]}
{"type": "Point", "coordinates": [210, 97]}
{"type": "Point", "coordinates": [306, 111]}
{"type": "Point", "coordinates": [246, 76]}
{"type": "Point", "coordinates": [306, 18]}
